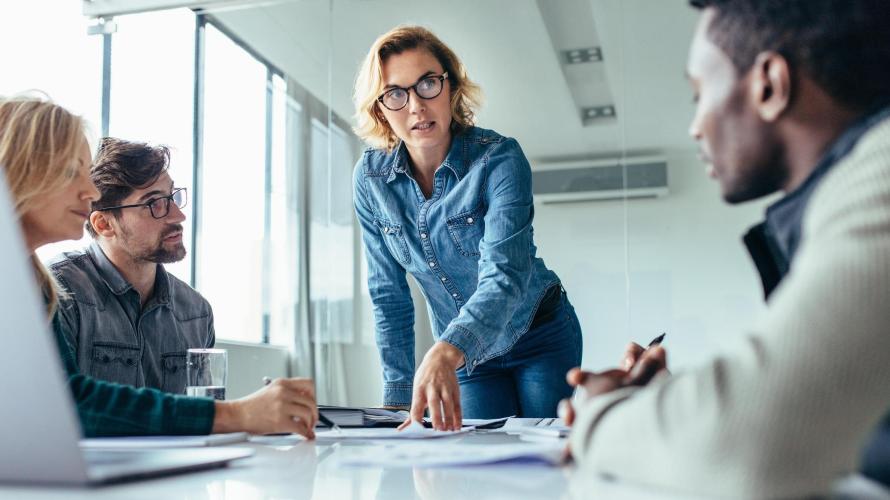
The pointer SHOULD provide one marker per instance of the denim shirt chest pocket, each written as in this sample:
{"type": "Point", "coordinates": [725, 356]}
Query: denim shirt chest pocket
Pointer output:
{"type": "Point", "coordinates": [467, 229]}
{"type": "Point", "coordinates": [173, 365]}
{"type": "Point", "coordinates": [395, 240]}
{"type": "Point", "coordinates": [116, 362]}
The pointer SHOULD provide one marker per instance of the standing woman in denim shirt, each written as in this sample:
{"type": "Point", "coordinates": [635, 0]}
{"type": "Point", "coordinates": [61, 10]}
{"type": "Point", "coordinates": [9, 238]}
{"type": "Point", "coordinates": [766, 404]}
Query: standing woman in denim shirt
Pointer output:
{"type": "Point", "coordinates": [451, 204]}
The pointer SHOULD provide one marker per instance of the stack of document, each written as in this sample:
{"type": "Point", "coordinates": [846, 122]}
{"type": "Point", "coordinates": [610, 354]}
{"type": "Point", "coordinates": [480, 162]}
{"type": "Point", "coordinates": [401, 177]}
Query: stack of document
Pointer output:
{"type": "Point", "coordinates": [350, 416]}
{"type": "Point", "coordinates": [413, 431]}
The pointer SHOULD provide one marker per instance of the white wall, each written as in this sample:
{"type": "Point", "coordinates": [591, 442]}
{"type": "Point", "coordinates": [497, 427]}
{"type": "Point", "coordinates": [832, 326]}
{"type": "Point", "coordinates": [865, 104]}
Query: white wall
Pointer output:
{"type": "Point", "coordinates": [688, 272]}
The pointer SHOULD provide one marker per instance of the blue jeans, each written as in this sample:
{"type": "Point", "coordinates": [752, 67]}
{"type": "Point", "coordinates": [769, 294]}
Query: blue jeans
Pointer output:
{"type": "Point", "coordinates": [529, 380]}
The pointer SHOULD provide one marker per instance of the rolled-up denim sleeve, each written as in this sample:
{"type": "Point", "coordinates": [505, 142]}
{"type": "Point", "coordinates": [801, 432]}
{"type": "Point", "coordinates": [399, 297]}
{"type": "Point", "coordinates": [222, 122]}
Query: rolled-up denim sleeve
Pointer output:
{"type": "Point", "coordinates": [391, 300]}
{"type": "Point", "coordinates": [505, 261]}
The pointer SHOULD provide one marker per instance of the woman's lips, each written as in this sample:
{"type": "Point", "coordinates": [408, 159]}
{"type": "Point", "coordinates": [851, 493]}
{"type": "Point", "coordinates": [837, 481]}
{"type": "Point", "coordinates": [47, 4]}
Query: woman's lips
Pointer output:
{"type": "Point", "coordinates": [423, 126]}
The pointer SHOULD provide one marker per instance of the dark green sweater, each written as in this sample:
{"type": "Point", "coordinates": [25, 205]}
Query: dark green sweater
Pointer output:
{"type": "Point", "coordinates": [109, 409]}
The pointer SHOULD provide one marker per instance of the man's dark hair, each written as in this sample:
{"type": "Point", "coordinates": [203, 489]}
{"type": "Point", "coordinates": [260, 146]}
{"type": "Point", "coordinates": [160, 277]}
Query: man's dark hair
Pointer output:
{"type": "Point", "coordinates": [122, 167]}
{"type": "Point", "coordinates": [842, 45]}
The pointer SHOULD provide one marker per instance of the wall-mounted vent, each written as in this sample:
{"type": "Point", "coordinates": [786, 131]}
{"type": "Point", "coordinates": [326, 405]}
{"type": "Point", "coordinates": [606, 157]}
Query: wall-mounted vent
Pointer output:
{"type": "Point", "coordinates": [643, 177]}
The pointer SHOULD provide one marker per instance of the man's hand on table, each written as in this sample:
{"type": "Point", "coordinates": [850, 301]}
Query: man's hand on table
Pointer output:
{"type": "Point", "coordinates": [640, 366]}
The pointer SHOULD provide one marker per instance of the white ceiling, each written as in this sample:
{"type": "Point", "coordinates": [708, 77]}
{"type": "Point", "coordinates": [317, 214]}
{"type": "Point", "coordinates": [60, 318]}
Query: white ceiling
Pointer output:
{"type": "Point", "coordinates": [508, 51]}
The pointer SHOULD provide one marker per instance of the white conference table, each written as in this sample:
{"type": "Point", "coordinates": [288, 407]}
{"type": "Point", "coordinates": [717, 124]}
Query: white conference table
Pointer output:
{"type": "Point", "coordinates": [291, 468]}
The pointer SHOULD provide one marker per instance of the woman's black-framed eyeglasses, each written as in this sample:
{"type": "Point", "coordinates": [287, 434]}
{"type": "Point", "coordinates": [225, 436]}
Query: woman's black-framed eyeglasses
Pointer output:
{"type": "Point", "coordinates": [428, 87]}
{"type": "Point", "coordinates": [159, 207]}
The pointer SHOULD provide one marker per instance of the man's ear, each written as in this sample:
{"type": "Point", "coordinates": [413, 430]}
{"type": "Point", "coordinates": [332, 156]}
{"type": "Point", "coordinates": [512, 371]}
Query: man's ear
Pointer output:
{"type": "Point", "coordinates": [101, 222]}
{"type": "Point", "coordinates": [770, 85]}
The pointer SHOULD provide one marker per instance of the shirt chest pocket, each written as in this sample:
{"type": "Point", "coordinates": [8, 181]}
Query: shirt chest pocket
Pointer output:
{"type": "Point", "coordinates": [115, 363]}
{"type": "Point", "coordinates": [173, 365]}
{"type": "Point", "coordinates": [467, 230]}
{"type": "Point", "coordinates": [395, 240]}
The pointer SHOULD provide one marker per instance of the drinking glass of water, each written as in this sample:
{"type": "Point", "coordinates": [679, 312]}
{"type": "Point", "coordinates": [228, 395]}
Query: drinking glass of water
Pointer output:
{"type": "Point", "coordinates": [206, 371]}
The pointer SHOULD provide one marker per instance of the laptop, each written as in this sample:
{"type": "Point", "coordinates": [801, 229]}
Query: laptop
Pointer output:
{"type": "Point", "coordinates": [39, 426]}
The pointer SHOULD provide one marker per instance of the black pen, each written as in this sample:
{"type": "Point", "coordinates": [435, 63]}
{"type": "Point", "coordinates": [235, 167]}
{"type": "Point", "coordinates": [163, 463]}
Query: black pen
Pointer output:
{"type": "Point", "coordinates": [321, 418]}
{"type": "Point", "coordinates": [657, 340]}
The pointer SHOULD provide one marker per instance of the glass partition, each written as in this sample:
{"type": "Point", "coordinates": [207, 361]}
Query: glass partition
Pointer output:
{"type": "Point", "coordinates": [256, 98]}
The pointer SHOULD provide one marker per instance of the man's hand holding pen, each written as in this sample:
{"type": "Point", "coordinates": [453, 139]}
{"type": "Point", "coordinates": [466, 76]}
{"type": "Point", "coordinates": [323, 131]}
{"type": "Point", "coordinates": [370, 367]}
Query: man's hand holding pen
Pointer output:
{"type": "Point", "coordinates": [639, 366]}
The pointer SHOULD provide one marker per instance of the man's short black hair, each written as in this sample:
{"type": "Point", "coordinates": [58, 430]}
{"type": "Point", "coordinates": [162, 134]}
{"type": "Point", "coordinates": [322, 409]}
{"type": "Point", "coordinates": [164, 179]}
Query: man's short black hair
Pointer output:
{"type": "Point", "coordinates": [122, 167]}
{"type": "Point", "coordinates": [842, 45]}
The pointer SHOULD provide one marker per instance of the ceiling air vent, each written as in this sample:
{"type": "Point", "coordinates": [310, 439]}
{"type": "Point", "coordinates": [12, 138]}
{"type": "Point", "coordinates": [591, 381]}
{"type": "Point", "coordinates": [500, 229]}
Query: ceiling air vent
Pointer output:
{"type": "Point", "coordinates": [641, 177]}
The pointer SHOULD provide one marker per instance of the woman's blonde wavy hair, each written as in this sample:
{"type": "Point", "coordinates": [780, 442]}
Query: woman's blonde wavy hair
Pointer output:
{"type": "Point", "coordinates": [466, 96]}
{"type": "Point", "coordinates": [39, 143]}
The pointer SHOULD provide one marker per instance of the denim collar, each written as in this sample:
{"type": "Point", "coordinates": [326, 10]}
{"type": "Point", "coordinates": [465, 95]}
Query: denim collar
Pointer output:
{"type": "Point", "coordinates": [119, 285]}
{"type": "Point", "coordinates": [454, 161]}
{"type": "Point", "coordinates": [784, 217]}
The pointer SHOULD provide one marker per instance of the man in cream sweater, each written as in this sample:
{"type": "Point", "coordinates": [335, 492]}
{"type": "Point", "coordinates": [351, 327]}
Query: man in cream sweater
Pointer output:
{"type": "Point", "coordinates": [791, 95]}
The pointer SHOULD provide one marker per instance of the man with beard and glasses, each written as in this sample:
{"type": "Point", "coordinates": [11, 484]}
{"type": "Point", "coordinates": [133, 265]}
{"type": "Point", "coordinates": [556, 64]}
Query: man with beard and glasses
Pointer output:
{"type": "Point", "coordinates": [129, 320]}
{"type": "Point", "coordinates": [792, 96]}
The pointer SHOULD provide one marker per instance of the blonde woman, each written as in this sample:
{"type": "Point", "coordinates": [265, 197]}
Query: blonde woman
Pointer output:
{"type": "Point", "coordinates": [46, 160]}
{"type": "Point", "coordinates": [451, 204]}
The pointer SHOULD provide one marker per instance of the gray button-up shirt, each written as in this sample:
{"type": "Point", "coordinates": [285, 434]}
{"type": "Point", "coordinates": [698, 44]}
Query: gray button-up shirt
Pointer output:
{"type": "Point", "coordinates": [118, 340]}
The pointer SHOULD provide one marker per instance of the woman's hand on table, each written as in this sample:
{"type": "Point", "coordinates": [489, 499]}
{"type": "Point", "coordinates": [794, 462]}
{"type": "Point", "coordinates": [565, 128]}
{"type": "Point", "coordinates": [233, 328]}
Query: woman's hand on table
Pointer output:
{"type": "Point", "coordinates": [436, 388]}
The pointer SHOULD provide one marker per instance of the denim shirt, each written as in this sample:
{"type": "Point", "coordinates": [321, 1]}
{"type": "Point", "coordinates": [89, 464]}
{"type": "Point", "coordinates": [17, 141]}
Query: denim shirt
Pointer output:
{"type": "Point", "coordinates": [109, 409]}
{"type": "Point", "coordinates": [469, 246]}
{"type": "Point", "coordinates": [117, 340]}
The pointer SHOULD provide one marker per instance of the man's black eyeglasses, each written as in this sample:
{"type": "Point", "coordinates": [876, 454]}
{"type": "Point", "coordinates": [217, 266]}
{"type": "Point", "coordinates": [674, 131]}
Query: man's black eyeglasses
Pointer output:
{"type": "Point", "coordinates": [159, 207]}
{"type": "Point", "coordinates": [428, 87]}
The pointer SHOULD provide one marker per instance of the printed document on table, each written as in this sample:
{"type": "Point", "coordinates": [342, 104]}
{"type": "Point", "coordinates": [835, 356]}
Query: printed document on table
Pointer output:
{"type": "Point", "coordinates": [428, 454]}
{"type": "Point", "coordinates": [413, 431]}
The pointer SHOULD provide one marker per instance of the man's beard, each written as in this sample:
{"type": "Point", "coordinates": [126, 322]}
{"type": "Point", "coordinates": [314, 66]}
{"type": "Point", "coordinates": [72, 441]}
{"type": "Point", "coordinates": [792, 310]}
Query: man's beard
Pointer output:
{"type": "Point", "coordinates": [163, 256]}
{"type": "Point", "coordinates": [160, 255]}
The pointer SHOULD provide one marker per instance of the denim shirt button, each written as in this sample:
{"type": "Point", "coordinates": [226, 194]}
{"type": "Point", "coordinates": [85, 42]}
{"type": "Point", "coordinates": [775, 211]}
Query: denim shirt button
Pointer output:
{"type": "Point", "coordinates": [423, 236]}
{"type": "Point", "coordinates": [444, 278]}
{"type": "Point", "coordinates": [386, 230]}
{"type": "Point", "coordinates": [454, 295]}
{"type": "Point", "coordinates": [432, 264]}
{"type": "Point", "coordinates": [469, 220]}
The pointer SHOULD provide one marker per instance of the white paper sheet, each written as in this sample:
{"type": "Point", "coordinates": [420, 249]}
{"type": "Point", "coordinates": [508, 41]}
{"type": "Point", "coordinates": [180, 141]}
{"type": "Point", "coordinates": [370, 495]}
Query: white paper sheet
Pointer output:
{"type": "Point", "coordinates": [429, 454]}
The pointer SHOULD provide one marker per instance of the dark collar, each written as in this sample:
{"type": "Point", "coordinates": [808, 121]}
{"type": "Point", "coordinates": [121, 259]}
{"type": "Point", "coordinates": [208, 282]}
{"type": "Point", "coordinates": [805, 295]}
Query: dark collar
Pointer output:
{"type": "Point", "coordinates": [784, 217]}
{"type": "Point", "coordinates": [774, 242]}
{"type": "Point", "coordinates": [116, 282]}
{"type": "Point", "coordinates": [454, 161]}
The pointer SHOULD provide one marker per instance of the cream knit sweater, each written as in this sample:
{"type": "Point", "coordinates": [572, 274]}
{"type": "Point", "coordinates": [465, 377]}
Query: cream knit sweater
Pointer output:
{"type": "Point", "coordinates": [785, 410]}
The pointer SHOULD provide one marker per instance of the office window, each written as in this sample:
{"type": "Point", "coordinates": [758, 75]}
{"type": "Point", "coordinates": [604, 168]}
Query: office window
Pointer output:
{"type": "Point", "coordinates": [283, 270]}
{"type": "Point", "coordinates": [152, 82]}
{"type": "Point", "coordinates": [67, 66]}
{"type": "Point", "coordinates": [331, 234]}
{"type": "Point", "coordinates": [230, 246]}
